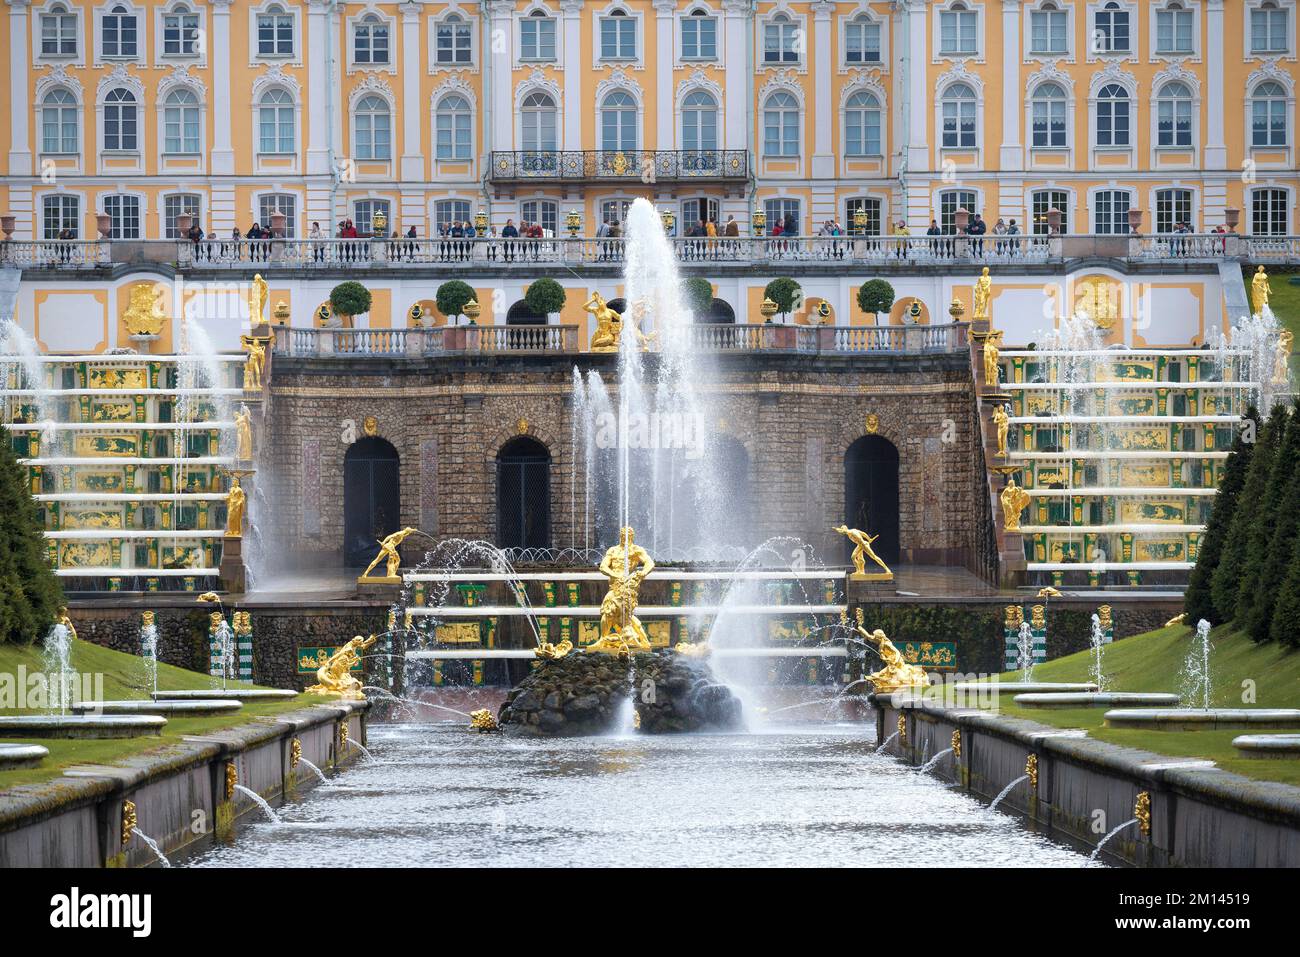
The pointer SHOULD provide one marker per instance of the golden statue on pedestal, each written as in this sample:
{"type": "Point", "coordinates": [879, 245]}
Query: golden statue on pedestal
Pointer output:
{"type": "Point", "coordinates": [236, 499]}
{"type": "Point", "coordinates": [257, 296]}
{"type": "Point", "coordinates": [609, 324]}
{"type": "Point", "coordinates": [1002, 422]}
{"type": "Point", "coordinates": [991, 372]}
{"type": "Point", "coordinates": [625, 565]}
{"type": "Point", "coordinates": [862, 550]}
{"type": "Point", "coordinates": [243, 435]}
{"type": "Point", "coordinates": [335, 676]}
{"type": "Point", "coordinates": [983, 293]}
{"type": "Point", "coordinates": [1259, 291]}
{"type": "Point", "coordinates": [897, 673]}
{"type": "Point", "coordinates": [1014, 499]}
{"type": "Point", "coordinates": [255, 364]}
{"type": "Point", "coordinates": [1285, 339]}
{"type": "Point", "coordinates": [388, 553]}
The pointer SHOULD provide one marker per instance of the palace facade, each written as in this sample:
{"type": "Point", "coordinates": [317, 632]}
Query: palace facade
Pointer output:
{"type": "Point", "coordinates": [868, 113]}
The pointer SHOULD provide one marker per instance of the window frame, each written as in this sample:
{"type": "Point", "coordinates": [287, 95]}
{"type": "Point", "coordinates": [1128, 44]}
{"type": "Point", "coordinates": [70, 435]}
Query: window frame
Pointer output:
{"type": "Point", "coordinates": [289, 103]}
{"type": "Point", "coordinates": [72, 103]}
{"type": "Point", "coordinates": [864, 109]}
{"type": "Point", "coordinates": [618, 18]}
{"type": "Point", "coordinates": [697, 18]}
{"type": "Point", "coordinates": [785, 149]}
{"type": "Point", "coordinates": [367, 116]}
{"type": "Point", "coordinates": [129, 206]}
{"type": "Point", "coordinates": [456, 116]}
{"type": "Point", "coordinates": [539, 19]}
{"type": "Point", "coordinates": [64, 201]}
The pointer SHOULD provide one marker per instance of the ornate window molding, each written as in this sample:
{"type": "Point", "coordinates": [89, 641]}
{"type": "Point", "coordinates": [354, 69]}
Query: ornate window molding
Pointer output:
{"type": "Point", "coordinates": [49, 83]}
{"type": "Point", "coordinates": [182, 79]}
{"type": "Point", "coordinates": [1113, 74]}
{"type": "Point", "coordinates": [68, 13]}
{"type": "Point", "coordinates": [1191, 7]}
{"type": "Point", "coordinates": [782, 13]}
{"type": "Point", "coordinates": [1270, 72]}
{"type": "Point", "coordinates": [455, 85]}
{"type": "Point", "coordinates": [681, 62]}
{"type": "Point", "coordinates": [863, 15]}
{"type": "Point", "coordinates": [109, 8]}
{"type": "Point", "coordinates": [958, 74]}
{"type": "Point", "coordinates": [538, 11]}
{"type": "Point", "coordinates": [1161, 91]}
{"type": "Point", "coordinates": [371, 16]}
{"type": "Point", "coordinates": [466, 14]}
{"type": "Point", "coordinates": [940, 14]}
{"type": "Point", "coordinates": [1050, 73]}
{"type": "Point", "coordinates": [1281, 6]}
{"type": "Point", "coordinates": [616, 11]}
{"type": "Point", "coordinates": [275, 8]}
{"type": "Point", "coordinates": [196, 43]}
{"type": "Point", "coordinates": [1095, 39]}
{"type": "Point", "coordinates": [1030, 55]}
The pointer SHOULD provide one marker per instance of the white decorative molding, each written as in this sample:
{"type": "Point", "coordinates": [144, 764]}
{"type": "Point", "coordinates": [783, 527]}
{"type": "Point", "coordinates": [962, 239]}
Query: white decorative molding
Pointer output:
{"type": "Point", "coordinates": [120, 76]}
{"type": "Point", "coordinates": [58, 78]}
{"type": "Point", "coordinates": [862, 80]}
{"type": "Point", "coordinates": [457, 84]}
{"type": "Point", "coordinates": [536, 81]}
{"type": "Point", "coordinates": [1270, 70]}
{"type": "Point", "coordinates": [272, 77]}
{"type": "Point", "coordinates": [372, 82]}
{"type": "Point", "coordinates": [180, 76]}
{"type": "Point", "coordinates": [786, 80]}
{"type": "Point", "coordinates": [1049, 72]}
{"type": "Point", "coordinates": [1113, 72]}
{"type": "Point", "coordinates": [619, 79]}
{"type": "Point", "coordinates": [958, 73]}
{"type": "Point", "coordinates": [1175, 71]}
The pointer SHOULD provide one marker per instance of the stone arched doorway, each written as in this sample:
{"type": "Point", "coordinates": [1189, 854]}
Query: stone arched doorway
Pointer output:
{"type": "Point", "coordinates": [523, 494]}
{"type": "Point", "coordinates": [871, 493]}
{"type": "Point", "coordinates": [719, 313]}
{"type": "Point", "coordinates": [371, 498]}
{"type": "Point", "coordinates": [520, 315]}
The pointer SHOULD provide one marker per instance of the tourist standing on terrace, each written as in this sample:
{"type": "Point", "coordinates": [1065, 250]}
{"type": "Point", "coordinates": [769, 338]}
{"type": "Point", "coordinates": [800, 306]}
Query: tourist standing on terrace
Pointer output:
{"type": "Point", "coordinates": [510, 233]}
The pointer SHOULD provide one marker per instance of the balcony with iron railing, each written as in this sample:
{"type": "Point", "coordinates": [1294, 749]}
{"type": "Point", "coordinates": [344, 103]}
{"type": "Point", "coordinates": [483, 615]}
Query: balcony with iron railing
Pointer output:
{"type": "Point", "coordinates": [564, 339]}
{"type": "Point", "coordinates": [659, 166]}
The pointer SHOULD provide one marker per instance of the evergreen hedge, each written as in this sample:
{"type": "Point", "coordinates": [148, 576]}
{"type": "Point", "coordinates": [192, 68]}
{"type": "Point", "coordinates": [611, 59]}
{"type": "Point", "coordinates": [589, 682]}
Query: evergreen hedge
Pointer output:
{"type": "Point", "coordinates": [30, 593]}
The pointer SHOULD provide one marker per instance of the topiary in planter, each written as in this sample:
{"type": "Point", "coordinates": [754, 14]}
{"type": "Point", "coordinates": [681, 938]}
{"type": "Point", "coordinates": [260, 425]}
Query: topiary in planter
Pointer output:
{"type": "Point", "coordinates": [876, 296]}
{"type": "Point", "coordinates": [783, 291]}
{"type": "Point", "coordinates": [349, 299]}
{"type": "Point", "coordinates": [452, 296]}
{"type": "Point", "coordinates": [697, 294]}
{"type": "Point", "coordinates": [544, 296]}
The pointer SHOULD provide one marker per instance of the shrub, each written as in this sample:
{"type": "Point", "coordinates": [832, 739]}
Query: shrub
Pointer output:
{"type": "Point", "coordinates": [452, 296]}
{"type": "Point", "coordinates": [30, 594]}
{"type": "Point", "coordinates": [876, 296]}
{"type": "Point", "coordinates": [544, 297]}
{"type": "Point", "coordinates": [697, 292]}
{"type": "Point", "coordinates": [783, 291]}
{"type": "Point", "coordinates": [349, 299]}
{"type": "Point", "coordinates": [1270, 539]}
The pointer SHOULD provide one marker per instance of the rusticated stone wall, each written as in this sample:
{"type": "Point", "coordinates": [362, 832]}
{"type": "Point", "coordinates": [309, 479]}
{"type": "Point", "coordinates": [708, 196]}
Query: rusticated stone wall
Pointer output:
{"type": "Point", "coordinates": [795, 415]}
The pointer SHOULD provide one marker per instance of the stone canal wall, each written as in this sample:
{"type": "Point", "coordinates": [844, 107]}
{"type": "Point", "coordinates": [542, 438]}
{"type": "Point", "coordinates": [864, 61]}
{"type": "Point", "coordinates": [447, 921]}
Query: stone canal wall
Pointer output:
{"type": "Point", "coordinates": [182, 798]}
{"type": "Point", "coordinates": [1200, 816]}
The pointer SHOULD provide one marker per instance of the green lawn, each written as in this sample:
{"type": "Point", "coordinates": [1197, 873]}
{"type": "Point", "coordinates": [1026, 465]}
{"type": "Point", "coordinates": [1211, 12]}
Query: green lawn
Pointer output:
{"type": "Point", "coordinates": [123, 677]}
{"type": "Point", "coordinates": [1151, 662]}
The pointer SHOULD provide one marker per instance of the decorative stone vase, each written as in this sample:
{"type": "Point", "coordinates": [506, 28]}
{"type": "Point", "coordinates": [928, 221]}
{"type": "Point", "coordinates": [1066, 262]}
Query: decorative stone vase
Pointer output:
{"type": "Point", "coordinates": [103, 223]}
{"type": "Point", "coordinates": [1054, 221]}
{"type": "Point", "coordinates": [183, 223]}
{"type": "Point", "coordinates": [962, 219]}
{"type": "Point", "coordinates": [1135, 220]}
{"type": "Point", "coordinates": [8, 224]}
{"type": "Point", "coordinates": [1231, 218]}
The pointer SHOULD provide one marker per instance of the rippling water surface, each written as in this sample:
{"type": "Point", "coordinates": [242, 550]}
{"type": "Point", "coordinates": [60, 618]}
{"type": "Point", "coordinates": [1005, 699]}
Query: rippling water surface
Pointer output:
{"type": "Point", "coordinates": [811, 795]}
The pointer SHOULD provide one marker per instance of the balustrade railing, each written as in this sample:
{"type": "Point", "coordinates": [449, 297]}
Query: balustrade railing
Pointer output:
{"type": "Point", "coordinates": [55, 253]}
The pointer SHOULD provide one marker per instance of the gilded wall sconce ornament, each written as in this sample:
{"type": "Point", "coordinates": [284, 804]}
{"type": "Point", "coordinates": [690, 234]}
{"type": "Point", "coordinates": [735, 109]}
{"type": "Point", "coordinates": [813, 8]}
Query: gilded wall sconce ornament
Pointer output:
{"type": "Point", "coordinates": [862, 550]}
{"type": "Point", "coordinates": [232, 778]}
{"type": "Point", "coordinates": [902, 730]}
{"type": "Point", "coordinates": [956, 743]}
{"type": "Point", "coordinates": [1142, 811]}
{"type": "Point", "coordinates": [483, 721]}
{"type": "Point", "coordinates": [1014, 499]}
{"type": "Point", "coordinates": [626, 564]}
{"type": "Point", "coordinates": [983, 294]}
{"type": "Point", "coordinates": [1031, 771]}
{"type": "Point", "coordinates": [295, 754]}
{"type": "Point", "coordinates": [873, 423]}
{"type": "Point", "coordinates": [388, 552]}
{"type": "Point", "coordinates": [335, 676]}
{"type": "Point", "coordinates": [370, 425]}
{"type": "Point", "coordinates": [128, 821]}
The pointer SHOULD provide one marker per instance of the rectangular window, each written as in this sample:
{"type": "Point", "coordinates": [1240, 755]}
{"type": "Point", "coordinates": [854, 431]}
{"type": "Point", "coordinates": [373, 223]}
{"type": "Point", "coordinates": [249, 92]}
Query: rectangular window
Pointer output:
{"type": "Point", "coordinates": [537, 38]}
{"type": "Point", "coordinates": [1174, 31]}
{"type": "Point", "coordinates": [952, 201]}
{"type": "Point", "coordinates": [181, 130]}
{"type": "Point", "coordinates": [862, 132]}
{"type": "Point", "coordinates": [124, 216]}
{"type": "Point", "coordinates": [364, 218]}
{"type": "Point", "coordinates": [1268, 122]}
{"type": "Point", "coordinates": [1268, 31]}
{"type": "Point", "coordinates": [175, 206]}
{"type": "Point", "coordinates": [59, 213]}
{"type": "Point", "coordinates": [958, 33]}
{"type": "Point", "coordinates": [872, 208]}
{"type": "Point", "coordinates": [180, 34]}
{"type": "Point", "coordinates": [1045, 200]}
{"type": "Point", "coordinates": [544, 212]}
{"type": "Point", "coordinates": [1173, 207]}
{"type": "Point", "coordinates": [782, 212]}
{"type": "Point", "coordinates": [862, 42]}
{"type": "Point", "coordinates": [618, 38]}
{"type": "Point", "coordinates": [1110, 211]}
{"type": "Point", "coordinates": [119, 35]}
{"type": "Point", "coordinates": [1049, 31]}
{"type": "Point", "coordinates": [448, 211]}
{"type": "Point", "coordinates": [59, 34]}
{"type": "Point", "coordinates": [272, 203]}
{"type": "Point", "coordinates": [1174, 122]}
{"type": "Point", "coordinates": [370, 43]}
{"type": "Point", "coordinates": [779, 41]}
{"type": "Point", "coordinates": [454, 41]}
{"type": "Point", "coordinates": [699, 38]}
{"type": "Point", "coordinates": [275, 34]}
{"type": "Point", "coordinates": [1111, 30]}
{"type": "Point", "coordinates": [1268, 212]}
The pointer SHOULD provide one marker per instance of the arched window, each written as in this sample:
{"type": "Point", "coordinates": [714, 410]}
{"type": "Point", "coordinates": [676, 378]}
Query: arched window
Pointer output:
{"type": "Point", "coordinates": [699, 122]}
{"type": "Point", "coordinates": [181, 123]}
{"type": "Point", "coordinates": [119, 34]}
{"type": "Point", "coordinates": [780, 38]}
{"type": "Point", "coordinates": [1174, 115]}
{"type": "Point", "coordinates": [370, 40]}
{"type": "Point", "coordinates": [1268, 115]}
{"type": "Point", "coordinates": [959, 117]}
{"type": "Point", "coordinates": [781, 125]}
{"type": "Point", "coordinates": [1113, 116]}
{"type": "Point", "coordinates": [454, 133]}
{"type": "Point", "coordinates": [1173, 208]}
{"type": "Point", "coordinates": [60, 132]}
{"type": "Point", "coordinates": [618, 122]}
{"type": "Point", "coordinates": [373, 129]}
{"type": "Point", "coordinates": [455, 41]}
{"type": "Point", "coordinates": [121, 127]}
{"type": "Point", "coordinates": [538, 115]}
{"type": "Point", "coordinates": [523, 494]}
{"type": "Point", "coordinates": [862, 125]}
{"type": "Point", "coordinates": [1049, 111]}
{"type": "Point", "coordinates": [275, 122]}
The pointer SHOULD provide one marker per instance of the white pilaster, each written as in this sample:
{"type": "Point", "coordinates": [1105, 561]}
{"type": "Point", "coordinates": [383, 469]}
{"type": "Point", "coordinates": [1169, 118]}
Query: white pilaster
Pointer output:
{"type": "Point", "coordinates": [573, 74]}
{"type": "Point", "coordinates": [412, 107]}
{"type": "Point", "coordinates": [499, 82]}
{"type": "Point", "coordinates": [823, 111]}
{"type": "Point", "coordinates": [319, 89]}
{"type": "Point", "coordinates": [918, 93]}
{"type": "Point", "coordinates": [738, 78]}
{"type": "Point", "coordinates": [1216, 153]}
{"type": "Point", "coordinates": [666, 114]}
{"type": "Point", "coordinates": [20, 150]}
{"type": "Point", "coordinates": [1012, 156]}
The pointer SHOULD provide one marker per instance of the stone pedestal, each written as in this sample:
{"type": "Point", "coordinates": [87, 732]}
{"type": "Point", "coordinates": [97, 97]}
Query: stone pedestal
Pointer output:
{"type": "Point", "coordinates": [383, 589]}
{"type": "Point", "coordinates": [231, 572]}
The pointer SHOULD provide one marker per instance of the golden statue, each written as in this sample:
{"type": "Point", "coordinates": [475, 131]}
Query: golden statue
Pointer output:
{"type": "Point", "coordinates": [255, 365]}
{"type": "Point", "coordinates": [236, 498]}
{"type": "Point", "coordinates": [551, 652]}
{"type": "Point", "coordinates": [1002, 422]}
{"type": "Point", "coordinates": [388, 552]}
{"type": "Point", "coordinates": [335, 676]}
{"type": "Point", "coordinates": [636, 314]}
{"type": "Point", "coordinates": [1014, 499]}
{"type": "Point", "coordinates": [609, 324]}
{"type": "Point", "coordinates": [697, 649]}
{"type": "Point", "coordinates": [1049, 592]}
{"type": "Point", "coordinates": [483, 720]}
{"type": "Point", "coordinates": [1176, 620]}
{"type": "Point", "coordinates": [244, 435]}
{"type": "Point", "coordinates": [257, 296]}
{"type": "Point", "coordinates": [983, 293]}
{"type": "Point", "coordinates": [862, 550]}
{"type": "Point", "coordinates": [897, 673]}
{"type": "Point", "coordinates": [142, 316]}
{"type": "Point", "coordinates": [1259, 291]}
{"type": "Point", "coordinates": [625, 565]}
{"type": "Point", "coordinates": [1285, 339]}
{"type": "Point", "coordinates": [63, 619]}
{"type": "Point", "coordinates": [991, 372]}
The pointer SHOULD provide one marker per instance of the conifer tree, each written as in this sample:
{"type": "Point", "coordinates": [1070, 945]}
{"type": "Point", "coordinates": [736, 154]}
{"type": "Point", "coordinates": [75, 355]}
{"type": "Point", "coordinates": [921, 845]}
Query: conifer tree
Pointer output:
{"type": "Point", "coordinates": [1226, 578]}
{"type": "Point", "coordinates": [1285, 628]}
{"type": "Point", "coordinates": [1270, 540]}
{"type": "Point", "coordinates": [29, 590]}
{"type": "Point", "coordinates": [1198, 603]}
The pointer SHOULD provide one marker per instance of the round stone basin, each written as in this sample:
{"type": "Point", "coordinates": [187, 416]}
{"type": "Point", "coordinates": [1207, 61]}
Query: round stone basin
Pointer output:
{"type": "Point", "coordinates": [1022, 687]}
{"type": "Point", "coordinates": [82, 725]}
{"type": "Point", "coordinates": [193, 707]}
{"type": "Point", "coordinates": [1257, 745]}
{"type": "Point", "coordinates": [1199, 719]}
{"type": "Point", "coordinates": [21, 755]}
{"type": "Point", "coordinates": [229, 694]}
{"type": "Point", "coordinates": [1097, 699]}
